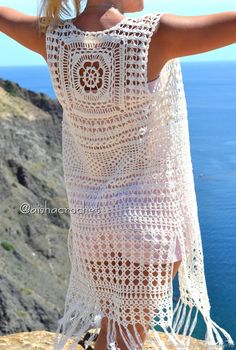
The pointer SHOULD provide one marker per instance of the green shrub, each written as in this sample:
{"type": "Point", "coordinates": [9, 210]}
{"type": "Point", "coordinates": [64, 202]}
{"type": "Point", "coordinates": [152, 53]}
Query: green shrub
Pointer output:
{"type": "Point", "coordinates": [10, 88]}
{"type": "Point", "coordinates": [26, 290]}
{"type": "Point", "coordinates": [7, 245]}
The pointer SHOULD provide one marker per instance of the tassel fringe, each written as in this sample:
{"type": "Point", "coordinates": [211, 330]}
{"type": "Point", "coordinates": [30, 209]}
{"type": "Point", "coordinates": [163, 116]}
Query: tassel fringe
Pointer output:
{"type": "Point", "coordinates": [80, 321]}
{"type": "Point", "coordinates": [211, 326]}
{"type": "Point", "coordinates": [78, 326]}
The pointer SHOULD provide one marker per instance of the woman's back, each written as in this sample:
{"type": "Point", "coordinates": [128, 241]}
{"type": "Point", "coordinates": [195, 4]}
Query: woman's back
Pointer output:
{"type": "Point", "coordinates": [112, 122]}
{"type": "Point", "coordinates": [100, 79]}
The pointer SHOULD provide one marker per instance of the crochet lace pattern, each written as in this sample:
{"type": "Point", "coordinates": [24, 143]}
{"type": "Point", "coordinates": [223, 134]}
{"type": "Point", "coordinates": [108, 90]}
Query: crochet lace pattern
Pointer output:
{"type": "Point", "coordinates": [130, 187]}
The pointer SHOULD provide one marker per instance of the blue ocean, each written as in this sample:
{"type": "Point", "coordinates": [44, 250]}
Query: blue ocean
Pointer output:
{"type": "Point", "coordinates": [210, 89]}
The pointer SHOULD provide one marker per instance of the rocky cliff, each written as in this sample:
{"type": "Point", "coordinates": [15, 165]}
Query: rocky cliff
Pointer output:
{"type": "Point", "coordinates": [34, 263]}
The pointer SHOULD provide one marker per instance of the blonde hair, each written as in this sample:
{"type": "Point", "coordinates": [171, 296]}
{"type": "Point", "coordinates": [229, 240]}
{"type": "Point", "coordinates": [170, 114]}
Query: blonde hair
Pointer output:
{"type": "Point", "coordinates": [51, 11]}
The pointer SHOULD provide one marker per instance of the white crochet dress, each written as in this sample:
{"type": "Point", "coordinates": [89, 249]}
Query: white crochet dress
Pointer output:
{"type": "Point", "coordinates": [130, 187]}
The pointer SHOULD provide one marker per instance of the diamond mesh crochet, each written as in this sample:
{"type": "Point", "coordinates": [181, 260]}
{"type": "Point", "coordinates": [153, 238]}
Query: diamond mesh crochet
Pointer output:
{"type": "Point", "coordinates": [130, 187]}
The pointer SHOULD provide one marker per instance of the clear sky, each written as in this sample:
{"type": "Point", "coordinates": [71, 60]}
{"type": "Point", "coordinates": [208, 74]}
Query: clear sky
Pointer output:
{"type": "Point", "coordinates": [13, 53]}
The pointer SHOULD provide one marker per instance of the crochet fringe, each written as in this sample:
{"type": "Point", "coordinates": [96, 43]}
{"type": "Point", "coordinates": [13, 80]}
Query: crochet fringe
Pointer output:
{"type": "Point", "coordinates": [85, 319]}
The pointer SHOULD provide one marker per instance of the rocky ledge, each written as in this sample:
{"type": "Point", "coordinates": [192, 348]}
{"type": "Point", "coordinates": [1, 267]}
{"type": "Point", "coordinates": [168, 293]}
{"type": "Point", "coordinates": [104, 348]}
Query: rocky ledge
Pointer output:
{"type": "Point", "coordinates": [43, 340]}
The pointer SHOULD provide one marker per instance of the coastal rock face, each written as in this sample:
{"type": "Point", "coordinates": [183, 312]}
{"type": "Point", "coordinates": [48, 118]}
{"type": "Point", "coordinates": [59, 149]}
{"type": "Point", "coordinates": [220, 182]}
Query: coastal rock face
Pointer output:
{"type": "Point", "coordinates": [44, 341]}
{"type": "Point", "coordinates": [40, 100]}
{"type": "Point", "coordinates": [34, 262]}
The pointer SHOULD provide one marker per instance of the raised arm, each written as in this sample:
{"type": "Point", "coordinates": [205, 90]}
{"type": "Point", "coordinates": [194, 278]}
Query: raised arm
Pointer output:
{"type": "Point", "coordinates": [22, 28]}
{"type": "Point", "coordinates": [189, 35]}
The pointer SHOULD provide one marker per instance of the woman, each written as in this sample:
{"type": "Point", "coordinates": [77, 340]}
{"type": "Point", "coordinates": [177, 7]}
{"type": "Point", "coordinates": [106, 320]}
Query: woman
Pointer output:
{"type": "Point", "coordinates": [126, 155]}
